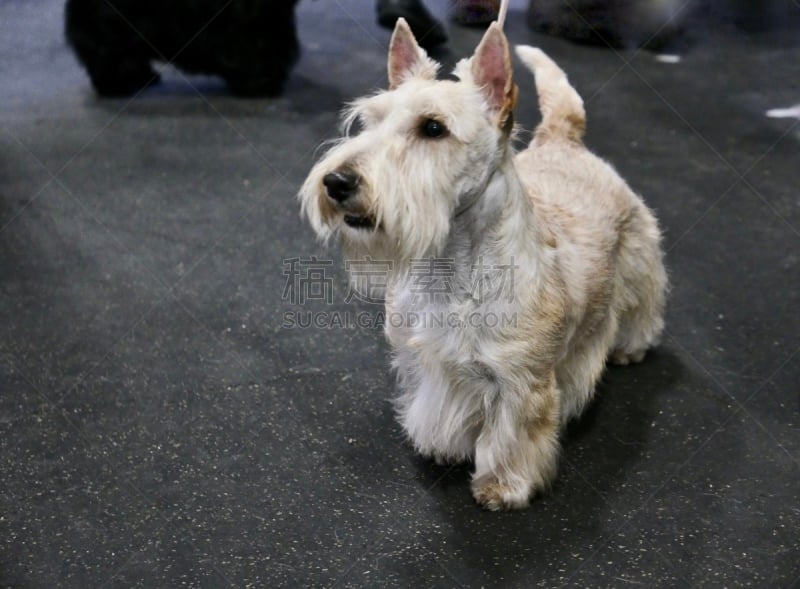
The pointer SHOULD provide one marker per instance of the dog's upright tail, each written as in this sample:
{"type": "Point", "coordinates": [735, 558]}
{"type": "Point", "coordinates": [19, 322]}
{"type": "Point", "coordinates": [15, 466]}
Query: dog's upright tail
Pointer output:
{"type": "Point", "coordinates": [563, 116]}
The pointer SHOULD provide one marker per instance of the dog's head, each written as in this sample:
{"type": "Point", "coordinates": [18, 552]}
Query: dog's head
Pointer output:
{"type": "Point", "coordinates": [426, 150]}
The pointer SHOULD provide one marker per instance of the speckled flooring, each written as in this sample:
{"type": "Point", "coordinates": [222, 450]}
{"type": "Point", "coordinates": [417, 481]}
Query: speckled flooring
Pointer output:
{"type": "Point", "coordinates": [161, 426]}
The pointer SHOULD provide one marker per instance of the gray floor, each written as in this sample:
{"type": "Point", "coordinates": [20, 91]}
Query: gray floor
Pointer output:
{"type": "Point", "coordinates": [159, 427]}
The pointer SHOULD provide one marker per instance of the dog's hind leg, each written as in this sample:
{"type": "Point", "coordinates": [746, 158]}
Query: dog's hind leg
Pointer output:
{"type": "Point", "coordinates": [640, 289]}
{"type": "Point", "coordinates": [115, 56]}
{"type": "Point", "coordinates": [119, 77]}
{"type": "Point", "coordinates": [113, 73]}
{"type": "Point", "coordinates": [577, 374]}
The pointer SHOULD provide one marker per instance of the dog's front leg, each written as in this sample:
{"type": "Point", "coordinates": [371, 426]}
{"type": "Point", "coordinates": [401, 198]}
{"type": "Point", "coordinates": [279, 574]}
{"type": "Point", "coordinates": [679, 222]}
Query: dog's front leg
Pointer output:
{"type": "Point", "coordinates": [516, 452]}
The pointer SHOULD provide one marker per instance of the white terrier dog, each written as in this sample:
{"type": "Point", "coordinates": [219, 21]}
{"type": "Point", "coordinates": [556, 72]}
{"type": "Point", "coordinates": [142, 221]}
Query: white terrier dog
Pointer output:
{"type": "Point", "coordinates": [432, 175]}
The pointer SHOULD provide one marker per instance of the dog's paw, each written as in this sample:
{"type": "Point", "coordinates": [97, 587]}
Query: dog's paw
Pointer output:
{"type": "Point", "coordinates": [623, 358]}
{"type": "Point", "coordinates": [493, 495]}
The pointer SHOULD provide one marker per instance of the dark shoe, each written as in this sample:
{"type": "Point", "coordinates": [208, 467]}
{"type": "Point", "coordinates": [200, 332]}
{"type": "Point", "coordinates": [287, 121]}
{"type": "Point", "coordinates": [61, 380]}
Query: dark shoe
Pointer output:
{"type": "Point", "coordinates": [475, 12]}
{"type": "Point", "coordinates": [428, 31]}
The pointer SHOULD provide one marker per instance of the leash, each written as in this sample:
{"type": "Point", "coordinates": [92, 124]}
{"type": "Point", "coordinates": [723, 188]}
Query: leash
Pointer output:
{"type": "Point", "coordinates": [501, 15]}
{"type": "Point", "coordinates": [470, 202]}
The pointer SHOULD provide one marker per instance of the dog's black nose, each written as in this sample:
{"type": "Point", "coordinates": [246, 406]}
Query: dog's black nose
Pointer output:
{"type": "Point", "coordinates": [340, 185]}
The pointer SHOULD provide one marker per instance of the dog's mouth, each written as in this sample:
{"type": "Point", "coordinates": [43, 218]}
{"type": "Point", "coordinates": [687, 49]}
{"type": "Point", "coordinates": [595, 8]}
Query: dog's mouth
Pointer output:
{"type": "Point", "coordinates": [359, 222]}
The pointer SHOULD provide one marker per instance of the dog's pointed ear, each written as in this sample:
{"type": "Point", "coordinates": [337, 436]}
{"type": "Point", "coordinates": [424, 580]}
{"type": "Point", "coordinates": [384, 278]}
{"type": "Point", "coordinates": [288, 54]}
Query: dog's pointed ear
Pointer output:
{"type": "Point", "coordinates": [492, 72]}
{"type": "Point", "coordinates": [406, 57]}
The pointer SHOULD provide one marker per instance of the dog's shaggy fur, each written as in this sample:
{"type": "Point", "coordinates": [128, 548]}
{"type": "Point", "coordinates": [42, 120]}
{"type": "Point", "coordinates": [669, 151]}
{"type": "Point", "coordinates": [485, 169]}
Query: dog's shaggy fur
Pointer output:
{"type": "Point", "coordinates": [433, 174]}
{"type": "Point", "coordinates": [251, 44]}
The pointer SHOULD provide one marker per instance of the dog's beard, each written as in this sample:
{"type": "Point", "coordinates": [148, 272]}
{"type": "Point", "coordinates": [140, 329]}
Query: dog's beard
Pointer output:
{"type": "Point", "coordinates": [397, 238]}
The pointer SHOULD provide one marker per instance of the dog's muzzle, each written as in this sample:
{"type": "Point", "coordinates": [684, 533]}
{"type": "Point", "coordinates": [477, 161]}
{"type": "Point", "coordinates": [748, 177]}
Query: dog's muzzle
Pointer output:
{"type": "Point", "coordinates": [340, 185]}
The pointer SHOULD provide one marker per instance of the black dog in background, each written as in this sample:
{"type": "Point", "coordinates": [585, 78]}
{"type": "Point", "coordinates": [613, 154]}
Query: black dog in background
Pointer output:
{"type": "Point", "coordinates": [251, 44]}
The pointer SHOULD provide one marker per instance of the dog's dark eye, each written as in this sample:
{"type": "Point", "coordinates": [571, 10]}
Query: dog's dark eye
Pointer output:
{"type": "Point", "coordinates": [433, 128]}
